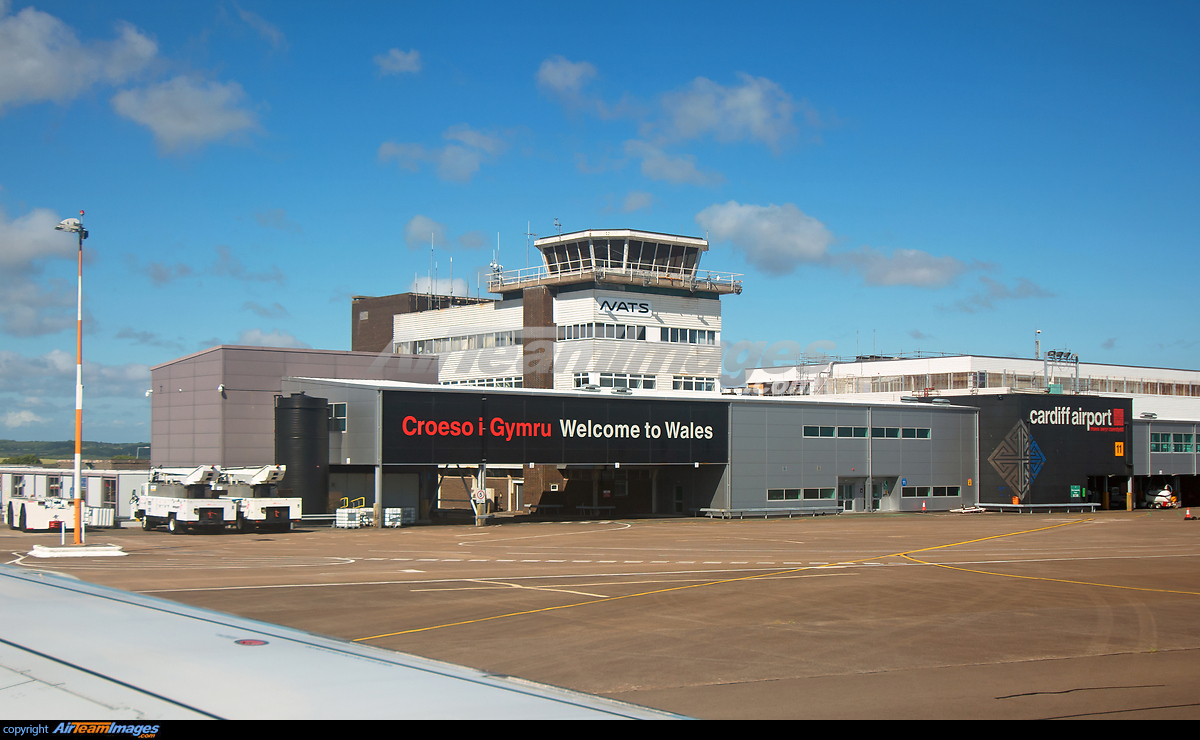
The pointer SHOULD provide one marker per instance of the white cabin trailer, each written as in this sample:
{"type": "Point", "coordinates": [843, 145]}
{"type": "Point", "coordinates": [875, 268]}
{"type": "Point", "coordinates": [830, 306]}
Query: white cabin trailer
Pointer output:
{"type": "Point", "coordinates": [103, 489]}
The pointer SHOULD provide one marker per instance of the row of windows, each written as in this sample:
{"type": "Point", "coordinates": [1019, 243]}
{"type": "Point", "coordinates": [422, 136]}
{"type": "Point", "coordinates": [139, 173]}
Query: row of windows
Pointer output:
{"type": "Point", "coordinates": [601, 331]}
{"type": "Point", "coordinates": [626, 380]}
{"type": "Point", "coordinates": [457, 344]}
{"type": "Point", "coordinates": [646, 382]}
{"type": "Point", "coordinates": [513, 381]}
{"type": "Point", "coordinates": [1164, 442]}
{"type": "Point", "coordinates": [876, 432]}
{"type": "Point", "coordinates": [926, 491]}
{"type": "Point", "coordinates": [693, 383]}
{"type": "Point", "coordinates": [796, 494]}
{"type": "Point", "coordinates": [687, 336]}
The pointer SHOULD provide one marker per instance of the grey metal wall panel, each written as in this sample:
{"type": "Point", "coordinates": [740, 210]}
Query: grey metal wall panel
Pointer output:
{"type": "Point", "coordinates": [768, 450]}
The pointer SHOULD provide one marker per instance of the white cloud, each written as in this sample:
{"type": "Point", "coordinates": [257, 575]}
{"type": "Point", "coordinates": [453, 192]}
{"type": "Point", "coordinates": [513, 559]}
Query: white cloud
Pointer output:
{"type": "Point", "coordinates": [407, 156]}
{"type": "Point", "coordinates": [266, 29]}
{"type": "Point", "coordinates": [564, 78]}
{"type": "Point", "coordinates": [778, 239]}
{"type": "Point", "coordinates": [275, 338]}
{"type": "Point", "coordinates": [902, 267]}
{"type": "Point", "coordinates": [658, 165]}
{"type": "Point", "coordinates": [276, 218]}
{"type": "Point", "coordinates": [42, 59]}
{"type": "Point", "coordinates": [453, 162]}
{"type": "Point", "coordinates": [185, 113]}
{"type": "Point", "coordinates": [30, 302]}
{"type": "Point", "coordinates": [52, 375]}
{"type": "Point", "coordinates": [14, 419]}
{"type": "Point", "coordinates": [441, 286]}
{"type": "Point", "coordinates": [774, 238]}
{"type": "Point", "coordinates": [458, 163]}
{"type": "Point", "coordinates": [160, 273]}
{"type": "Point", "coordinates": [636, 200]}
{"type": "Point", "coordinates": [994, 290]}
{"type": "Point", "coordinates": [227, 265]}
{"type": "Point", "coordinates": [757, 109]}
{"type": "Point", "coordinates": [420, 230]}
{"type": "Point", "coordinates": [274, 311]}
{"type": "Point", "coordinates": [487, 142]}
{"type": "Point", "coordinates": [148, 338]}
{"type": "Point", "coordinates": [396, 61]}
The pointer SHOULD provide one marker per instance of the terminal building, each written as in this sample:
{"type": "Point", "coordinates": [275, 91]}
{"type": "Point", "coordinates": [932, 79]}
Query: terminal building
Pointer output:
{"type": "Point", "coordinates": [590, 385]}
{"type": "Point", "coordinates": [1121, 430]}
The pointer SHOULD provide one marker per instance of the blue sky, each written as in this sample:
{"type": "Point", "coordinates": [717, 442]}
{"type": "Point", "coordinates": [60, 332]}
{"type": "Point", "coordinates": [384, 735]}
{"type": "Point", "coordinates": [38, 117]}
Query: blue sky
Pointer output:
{"type": "Point", "coordinates": [934, 176]}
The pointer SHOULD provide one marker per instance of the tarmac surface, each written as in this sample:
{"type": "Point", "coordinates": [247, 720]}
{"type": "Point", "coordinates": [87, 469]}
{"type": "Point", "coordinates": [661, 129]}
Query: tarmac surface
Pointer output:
{"type": "Point", "coordinates": [966, 616]}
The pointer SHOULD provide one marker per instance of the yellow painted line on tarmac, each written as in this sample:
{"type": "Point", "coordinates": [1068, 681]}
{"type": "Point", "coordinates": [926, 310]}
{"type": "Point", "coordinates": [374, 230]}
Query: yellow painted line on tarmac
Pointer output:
{"type": "Point", "coordinates": [1053, 580]}
{"type": "Point", "coordinates": [707, 583]}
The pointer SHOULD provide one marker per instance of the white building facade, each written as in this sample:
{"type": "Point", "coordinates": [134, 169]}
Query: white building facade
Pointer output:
{"type": "Point", "coordinates": [610, 309]}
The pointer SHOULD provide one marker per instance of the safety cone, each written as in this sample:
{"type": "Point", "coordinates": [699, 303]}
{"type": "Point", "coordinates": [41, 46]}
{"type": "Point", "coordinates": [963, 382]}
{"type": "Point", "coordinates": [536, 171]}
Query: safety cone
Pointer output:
{"type": "Point", "coordinates": [1187, 513]}
{"type": "Point", "coordinates": [922, 507]}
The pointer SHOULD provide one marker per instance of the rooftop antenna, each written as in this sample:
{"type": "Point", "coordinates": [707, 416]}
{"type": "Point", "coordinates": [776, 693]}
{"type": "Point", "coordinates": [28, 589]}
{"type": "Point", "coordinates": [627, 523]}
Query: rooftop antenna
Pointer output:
{"type": "Point", "coordinates": [431, 270]}
{"type": "Point", "coordinates": [528, 234]}
{"type": "Point", "coordinates": [451, 277]}
{"type": "Point", "coordinates": [558, 226]}
{"type": "Point", "coordinates": [1037, 344]}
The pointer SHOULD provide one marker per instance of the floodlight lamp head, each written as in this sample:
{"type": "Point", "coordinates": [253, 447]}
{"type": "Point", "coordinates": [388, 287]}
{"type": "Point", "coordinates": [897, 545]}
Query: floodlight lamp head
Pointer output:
{"type": "Point", "coordinates": [72, 225]}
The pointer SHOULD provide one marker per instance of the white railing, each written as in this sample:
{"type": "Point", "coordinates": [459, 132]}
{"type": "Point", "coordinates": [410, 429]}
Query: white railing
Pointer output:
{"type": "Point", "coordinates": [691, 278]}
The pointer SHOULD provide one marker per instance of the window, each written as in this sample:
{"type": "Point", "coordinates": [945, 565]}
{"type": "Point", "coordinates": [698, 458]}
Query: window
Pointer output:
{"type": "Point", "coordinates": [783, 494]}
{"type": "Point", "coordinates": [108, 492]}
{"type": "Point", "coordinates": [820, 431]}
{"type": "Point", "coordinates": [693, 383]}
{"type": "Point", "coordinates": [813, 494]}
{"type": "Point", "coordinates": [1183, 443]}
{"type": "Point", "coordinates": [601, 331]}
{"type": "Point", "coordinates": [885, 432]}
{"type": "Point", "coordinates": [54, 484]}
{"type": "Point", "coordinates": [687, 336]}
{"type": "Point", "coordinates": [916, 491]}
{"type": "Point", "coordinates": [582, 379]}
{"type": "Point", "coordinates": [337, 417]}
{"type": "Point", "coordinates": [852, 431]}
{"type": "Point", "coordinates": [1160, 442]}
{"type": "Point", "coordinates": [911, 433]}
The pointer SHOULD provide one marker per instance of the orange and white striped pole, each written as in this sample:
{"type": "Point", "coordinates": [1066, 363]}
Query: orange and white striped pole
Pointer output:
{"type": "Point", "coordinates": [75, 225]}
{"type": "Point", "coordinates": [79, 392]}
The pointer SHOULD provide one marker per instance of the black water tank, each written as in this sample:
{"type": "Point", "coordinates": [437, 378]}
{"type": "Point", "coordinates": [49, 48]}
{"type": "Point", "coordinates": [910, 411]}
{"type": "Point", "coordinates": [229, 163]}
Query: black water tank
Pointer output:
{"type": "Point", "coordinates": [302, 444]}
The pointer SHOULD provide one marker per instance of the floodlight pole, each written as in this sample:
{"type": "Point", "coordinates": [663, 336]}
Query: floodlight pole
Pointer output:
{"type": "Point", "coordinates": [73, 225]}
{"type": "Point", "coordinates": [79, 538]}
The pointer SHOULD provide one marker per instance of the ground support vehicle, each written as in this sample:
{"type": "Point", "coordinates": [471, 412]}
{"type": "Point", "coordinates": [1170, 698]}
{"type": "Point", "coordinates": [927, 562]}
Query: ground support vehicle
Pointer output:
{"type": "Point", "coordinates": [34, 514]}
{"type": "Point", "coordinates": [251, 489]}
{"type": "Point", "coordinates": [1162, 498]}
{"type": "Point", "coordinates": [181, 499]}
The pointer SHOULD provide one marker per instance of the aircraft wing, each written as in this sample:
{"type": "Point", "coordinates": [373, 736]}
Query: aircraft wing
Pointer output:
{"type": "Point", "coordinates": [73, 650]}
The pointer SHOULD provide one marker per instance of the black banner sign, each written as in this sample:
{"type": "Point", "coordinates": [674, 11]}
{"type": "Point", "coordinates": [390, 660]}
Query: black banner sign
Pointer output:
{"type": "Point", "coordinates": [424, 427]}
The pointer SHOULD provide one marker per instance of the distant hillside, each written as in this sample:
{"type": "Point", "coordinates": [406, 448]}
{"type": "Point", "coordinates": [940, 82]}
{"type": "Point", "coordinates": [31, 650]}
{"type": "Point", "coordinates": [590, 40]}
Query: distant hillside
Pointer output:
{"type": "Point", "coordinates": [66, 450]}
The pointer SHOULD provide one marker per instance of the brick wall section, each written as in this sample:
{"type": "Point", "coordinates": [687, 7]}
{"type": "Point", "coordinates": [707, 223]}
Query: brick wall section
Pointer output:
{"type": "Point", "coordinates": [538, 337]}
{"type": "Point", "coordinates": [374, 333]}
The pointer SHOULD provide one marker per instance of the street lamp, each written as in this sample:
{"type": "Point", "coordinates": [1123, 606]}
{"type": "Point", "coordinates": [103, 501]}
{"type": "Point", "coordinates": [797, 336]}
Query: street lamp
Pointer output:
{"type": "Point", "coordinates": [75, 226]}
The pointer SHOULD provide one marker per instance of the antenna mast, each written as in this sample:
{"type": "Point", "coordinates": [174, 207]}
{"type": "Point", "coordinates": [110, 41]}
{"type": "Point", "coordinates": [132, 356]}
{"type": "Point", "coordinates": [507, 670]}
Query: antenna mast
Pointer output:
{"type": "Point", "coordinates": [528, 234]}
